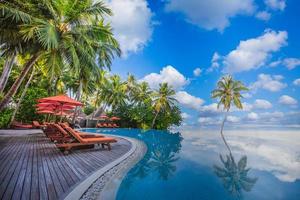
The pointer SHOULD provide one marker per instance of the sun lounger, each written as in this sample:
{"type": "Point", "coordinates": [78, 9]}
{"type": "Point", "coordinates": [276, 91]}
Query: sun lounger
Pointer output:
{"type": "Point", "coordinates": [18, 125]}
{"type": "Point", "coordinates": [80, 141]}
{"type": "Point", "coordinates": [115, 126]}
{"type": "Point", "coordinates": [109, 125]}
{"type": "Point", "coordinates": [63, 128]}
{"type": "Point", "coordinates": [36, 124]}
{"type": "Point", "coordinates": [99, 125]}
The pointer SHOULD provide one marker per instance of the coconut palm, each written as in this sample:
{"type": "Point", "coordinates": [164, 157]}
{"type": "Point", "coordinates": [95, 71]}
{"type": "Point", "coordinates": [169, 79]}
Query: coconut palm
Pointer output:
{"type": "Point", "coordinates": [163, 100]}
{"type": "Point", "coordinates": [142, 93]}
{"type": "Point", "coordinates": [115, 92]}
{"type": "Point", "coordinates": [65, 34]}
{"type": "Point", "coordinates": [228, 92]}
{"type": "Point", "coordinates": [235, 175]}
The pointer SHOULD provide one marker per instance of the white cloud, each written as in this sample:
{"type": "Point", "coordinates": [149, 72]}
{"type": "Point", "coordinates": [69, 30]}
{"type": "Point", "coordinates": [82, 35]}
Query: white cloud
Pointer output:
{"type": "Point", "coordinates": [291, 63]}
{"type": "Point", "coordinates": [275, 4]}
{"type": "Point", "coordinates": [185, 115]}
{"type": "Point", "coordinates": [287, 100]}
{"type": "Point", "coordinates": [208, 121]}
{"type": "Point", "coordinates": [132, 24]}
{"type": "Point", "coordinates": [297, 82]}
{"type": "Point", "coordinates": [252, 116]}
{"type": "Point", "coordinates": [253, 53]}
{"type": "Point", "coordinates": [263, 15]}
{"type": "Point", "coordinates": [167, 75]}
{"type": "Point", "coordinates": [262, 104]}
{"type": "Point", "coordinates": [214, 62]}
{"type": "Point", "coordinates": [188, 100]}
{"type": "Point", "coordinates": [268, 82]}
{"type": "Point", "coordinates": [197, 71]}
{"type": "Point", "coordinates": [233, 119]}
{"type": "Point", "coordinates": [213, 14]}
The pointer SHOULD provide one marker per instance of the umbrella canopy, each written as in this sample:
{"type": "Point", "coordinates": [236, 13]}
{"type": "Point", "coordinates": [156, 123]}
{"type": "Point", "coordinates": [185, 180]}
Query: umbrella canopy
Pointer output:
{"type": "Point", "coordinates": [115, 118]}
{"type": "Point", "coordinates": [45, 112]}
{"type": "Point", "coordinates": [59, 104]}
{"type": "Point", "coordinates": [61, 113]}
{"type": "Point", "coordinates": [62, 99]}
{"type": "Point", "coordinates": [103, 117]}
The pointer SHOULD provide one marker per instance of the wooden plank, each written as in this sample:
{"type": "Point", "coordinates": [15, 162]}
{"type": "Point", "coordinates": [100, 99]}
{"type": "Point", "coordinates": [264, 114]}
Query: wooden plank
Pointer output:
{"type": "Point", "coordinates": [34, 189]}
{"type": "Point", "coordinates": [21, 178]}
{"type": "Point", "coordinates": [9, 170]}
{"type": "Point", "coordinates": [42, 182]}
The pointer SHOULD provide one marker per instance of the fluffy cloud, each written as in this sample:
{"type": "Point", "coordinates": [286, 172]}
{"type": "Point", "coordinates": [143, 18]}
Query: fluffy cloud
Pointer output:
{"type": "Point", "coordinates": [275, 4]}
{"type": "Point", "coordinates": [167, 75]}
{"type": "Point", "coordinates": [291, 63]}
{"type": "Point", "coordinates": [253, 53]}
{"type": "Point", "coordinates": [188, 100]}
{"type": "Point", "coordinates": [263, 15]}
{"type": "Point", "coordinates": [132, 24]}
{"type": "Point", "coordinates": [185, 115]}
{"type": "Point", "coordinates": [262, 104]}
{"type": "Point", "coordinates": [233, 119]}
{"type": "Point", "coordinates": [208, 121]}
{"type": "Point", "coordinates": [213, 14]}
{"type": "Point", "coordinates": [252, 116]}
{"type": "Point", "coordinates": [268, 82]}
{"type": "Point", "coordinates": [214, 62]}
{"type": "Point", "coordinates": [297, 82]}
{"type": "Point", "coordinates": [287, 100]}
{"type": "Point", "coordinates": [197, 71]}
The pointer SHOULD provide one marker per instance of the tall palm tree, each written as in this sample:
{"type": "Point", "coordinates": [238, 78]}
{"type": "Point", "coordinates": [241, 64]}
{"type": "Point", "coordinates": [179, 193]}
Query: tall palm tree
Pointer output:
{"type": "Point", "coordinates": [141, 94]}
{"type": "Point", "coordinates": [163, 100]}
{"type": "Point", "coordinates": [64, 33]}
{"type": "Point", "coordinates": [228, 92]}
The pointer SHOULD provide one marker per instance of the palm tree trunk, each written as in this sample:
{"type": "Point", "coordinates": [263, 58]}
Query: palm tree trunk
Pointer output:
{"type": "Point", "coordinates": [221, 132]}
{"type": "Point", "coordinates": [21, 97]}
{"type": "Point", "coordinates": [153, 122]}
{"type": "Point", "coordinates": [6, 71]}
{"type": "Point", "coordinates": [12, 91]}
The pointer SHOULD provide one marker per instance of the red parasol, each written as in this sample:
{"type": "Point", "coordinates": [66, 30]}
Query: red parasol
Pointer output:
{"type": "Point", "coordinates": [115, 118]}
{"type": "Point", "coordinates": [59, 103]}
{"type": "Point", "coordinates": [45, 112]}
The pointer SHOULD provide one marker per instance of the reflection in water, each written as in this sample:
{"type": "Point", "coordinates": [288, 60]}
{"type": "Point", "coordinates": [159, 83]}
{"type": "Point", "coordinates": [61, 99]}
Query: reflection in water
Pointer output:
{"type": "Point", "coordinates": [235, 175]}
{"type": "Point", "coordinates": [160, 157]}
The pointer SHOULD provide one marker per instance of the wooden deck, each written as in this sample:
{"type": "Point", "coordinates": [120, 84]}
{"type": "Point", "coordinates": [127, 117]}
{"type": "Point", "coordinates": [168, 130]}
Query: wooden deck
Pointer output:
{"type": "Point", "coordinates": [31, 167]}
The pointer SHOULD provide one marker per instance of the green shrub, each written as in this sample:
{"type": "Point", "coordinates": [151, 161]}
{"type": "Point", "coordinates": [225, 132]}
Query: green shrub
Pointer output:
{"type": "Point", "coordinates": [27, 110]}
{"type": "Point", "coordinates": [5, 117]}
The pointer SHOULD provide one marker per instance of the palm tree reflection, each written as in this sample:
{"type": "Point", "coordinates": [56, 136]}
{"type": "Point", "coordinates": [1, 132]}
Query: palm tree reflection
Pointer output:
{"type": "Point", "coordinates": [235, 175]}
{"type": "Point", "coordinates": [160, 158]}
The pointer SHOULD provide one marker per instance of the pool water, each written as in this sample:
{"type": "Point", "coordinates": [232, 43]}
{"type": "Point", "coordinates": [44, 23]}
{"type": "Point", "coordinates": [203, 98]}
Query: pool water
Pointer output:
{"type": "Point", "coordinates": [195, 164]}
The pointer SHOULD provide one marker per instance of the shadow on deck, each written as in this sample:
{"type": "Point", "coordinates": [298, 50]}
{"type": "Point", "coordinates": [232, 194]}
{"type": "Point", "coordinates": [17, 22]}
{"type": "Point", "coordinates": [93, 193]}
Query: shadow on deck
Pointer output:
{"type": "Point", "coordinates": [31, 167]}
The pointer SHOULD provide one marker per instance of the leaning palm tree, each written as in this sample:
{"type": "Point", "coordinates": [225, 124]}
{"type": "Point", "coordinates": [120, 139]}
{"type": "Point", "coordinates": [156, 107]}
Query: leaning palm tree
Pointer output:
{"type": "Point", "coordinates": [64, 33]}
{"type": "Point", "coordinates": [163, 100]}
{"type": "Point", "coordinates": [228, 92]}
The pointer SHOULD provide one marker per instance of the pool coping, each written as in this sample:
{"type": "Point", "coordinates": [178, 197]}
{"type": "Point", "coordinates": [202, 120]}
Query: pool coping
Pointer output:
{"type": "Point", "coordinates": [82, 189]}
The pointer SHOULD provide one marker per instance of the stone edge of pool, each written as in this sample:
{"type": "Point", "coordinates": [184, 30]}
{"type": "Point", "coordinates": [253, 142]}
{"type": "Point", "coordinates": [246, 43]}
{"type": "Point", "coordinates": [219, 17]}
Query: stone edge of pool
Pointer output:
{"type": "Point", "coordinates": [104, 183]}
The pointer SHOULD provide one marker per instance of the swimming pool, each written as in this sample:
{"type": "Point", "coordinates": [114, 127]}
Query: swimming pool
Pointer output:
{"type": "Point", "coordinates": [187, 165]}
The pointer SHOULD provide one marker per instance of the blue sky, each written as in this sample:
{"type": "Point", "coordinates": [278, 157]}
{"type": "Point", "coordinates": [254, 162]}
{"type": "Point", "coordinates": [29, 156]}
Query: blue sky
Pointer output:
{"type": "Point", "coordinates": [191, 43]}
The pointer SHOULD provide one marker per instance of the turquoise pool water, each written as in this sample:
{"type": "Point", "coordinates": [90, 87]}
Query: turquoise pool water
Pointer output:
{"type": "Point", "coordinates": [187, 165]}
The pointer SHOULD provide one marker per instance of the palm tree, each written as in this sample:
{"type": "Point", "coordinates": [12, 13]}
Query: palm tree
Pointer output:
{"type": "Point", "coordinates": [228, 92]}
{"type": "Point", "coordinates": [142, 94]}
{"type": "Point", "coordinates": [64, 33]}
{"type": "Point", "coordinates": [163, 100]}
{"type": "Point", "coordinates": [235, 175]}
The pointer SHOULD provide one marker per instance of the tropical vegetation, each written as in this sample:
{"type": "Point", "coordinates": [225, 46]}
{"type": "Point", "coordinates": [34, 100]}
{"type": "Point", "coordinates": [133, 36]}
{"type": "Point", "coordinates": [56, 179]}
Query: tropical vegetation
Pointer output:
{"type": "Point", "coordinates": [53, 47]}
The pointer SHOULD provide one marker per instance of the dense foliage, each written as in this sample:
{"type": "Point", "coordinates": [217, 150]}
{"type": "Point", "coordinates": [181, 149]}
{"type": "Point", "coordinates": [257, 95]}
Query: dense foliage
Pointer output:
{"type": "Point", "coordinates": [70, 46]}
